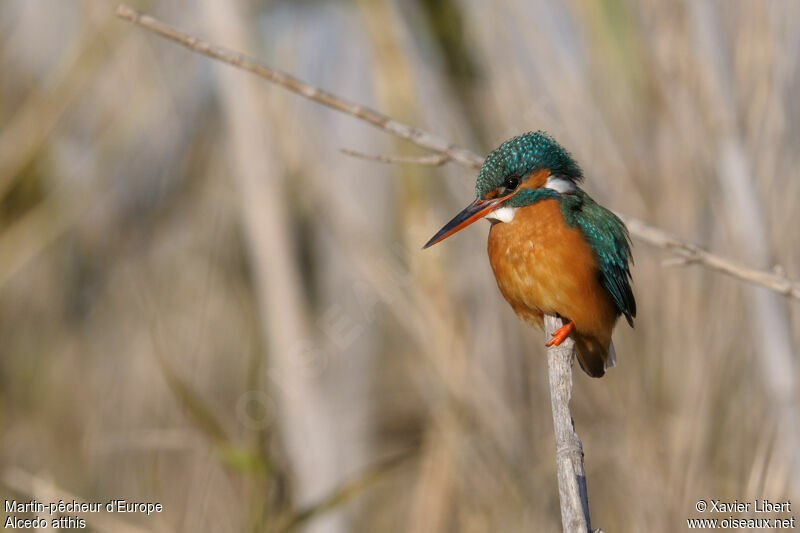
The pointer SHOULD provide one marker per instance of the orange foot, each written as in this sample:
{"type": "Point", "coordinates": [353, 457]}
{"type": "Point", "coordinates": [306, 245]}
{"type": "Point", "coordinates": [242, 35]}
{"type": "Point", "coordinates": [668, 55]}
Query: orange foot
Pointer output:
{"type": "Point", "coordinates": [561, 333]}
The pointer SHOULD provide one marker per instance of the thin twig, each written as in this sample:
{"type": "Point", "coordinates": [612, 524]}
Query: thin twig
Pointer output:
{"type": "Point", "coordinates": [694, 254]}
{"type": "Point", "coordinates": [404, 131]}
{"type": "Point", "coordinates": [434, 160]}
{"type": "Point", "coordinates": [671, 262]}
{"type": "Point", "coordinates": [569, 450]}
{"type": "Point", "coordinates": [424, 139]}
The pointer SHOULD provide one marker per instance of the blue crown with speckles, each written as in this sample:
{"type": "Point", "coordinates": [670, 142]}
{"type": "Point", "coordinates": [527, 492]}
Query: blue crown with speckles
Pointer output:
{"type": "Point", "coordinates": [522, 155]}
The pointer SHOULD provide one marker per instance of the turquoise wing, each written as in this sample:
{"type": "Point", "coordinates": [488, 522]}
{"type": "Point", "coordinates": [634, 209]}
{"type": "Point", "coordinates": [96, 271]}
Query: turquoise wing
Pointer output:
{"type": "Point", "coordinates": [608, 237]}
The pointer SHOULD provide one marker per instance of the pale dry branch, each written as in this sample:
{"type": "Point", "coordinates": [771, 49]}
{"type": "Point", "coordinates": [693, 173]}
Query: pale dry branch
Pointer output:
{"type": "Point", "coordinates": [569, 450]}
{"type": "Point", "coordinates": [692, 253]}
{"type": "Point", "coordinates": [689, 254]}
{"type": "Point", "coordinates": [417, 136]}
{"type": "Point", "coordinates": [677, 262]}
{"type": "Point", "coordinates": [433, 160]}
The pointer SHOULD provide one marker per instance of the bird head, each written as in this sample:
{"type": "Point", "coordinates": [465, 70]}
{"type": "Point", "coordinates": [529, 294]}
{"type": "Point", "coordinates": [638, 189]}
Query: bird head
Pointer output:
{"type": "Point", "coordinates": [519, 172]}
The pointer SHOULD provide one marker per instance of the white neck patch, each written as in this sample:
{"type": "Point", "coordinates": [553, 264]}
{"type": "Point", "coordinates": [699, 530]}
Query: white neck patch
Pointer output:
{"type": "Point", "coordinates": [559, 184]}
{"type": "Point", "coordinates": [502, 214]}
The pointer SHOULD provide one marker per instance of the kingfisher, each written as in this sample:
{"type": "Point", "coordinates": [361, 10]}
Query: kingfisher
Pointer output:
{"type": "Point", "coordinates": [552, 248]}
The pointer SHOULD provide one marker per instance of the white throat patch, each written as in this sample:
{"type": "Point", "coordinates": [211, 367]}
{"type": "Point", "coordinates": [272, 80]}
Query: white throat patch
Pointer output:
{"type": "Point", "coordinates": [556, 183]}
{"type": "Point", "coordinates": [560, 184]}
{"type": "Point", "coordinates": [502, 214]}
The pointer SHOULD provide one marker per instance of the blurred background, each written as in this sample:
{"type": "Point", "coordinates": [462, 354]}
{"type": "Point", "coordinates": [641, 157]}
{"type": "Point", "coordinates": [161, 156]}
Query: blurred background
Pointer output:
{"type": "Point", "coordinates": [204, 303]}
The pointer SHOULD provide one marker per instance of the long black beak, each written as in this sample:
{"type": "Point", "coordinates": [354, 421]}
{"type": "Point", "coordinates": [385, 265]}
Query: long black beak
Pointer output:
{"type": "Point", "coordinates": [474, 211]}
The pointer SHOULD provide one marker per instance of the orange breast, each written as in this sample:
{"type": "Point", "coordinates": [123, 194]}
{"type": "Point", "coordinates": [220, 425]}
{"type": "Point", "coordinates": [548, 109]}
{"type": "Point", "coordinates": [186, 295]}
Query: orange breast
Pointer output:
{"type": "Point", "coordinates": [544, 266]}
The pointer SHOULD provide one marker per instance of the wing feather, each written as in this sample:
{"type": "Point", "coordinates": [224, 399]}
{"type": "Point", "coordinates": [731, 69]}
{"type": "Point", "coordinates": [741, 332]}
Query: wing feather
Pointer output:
{"type": "Point", "coordinates": [608, 237]}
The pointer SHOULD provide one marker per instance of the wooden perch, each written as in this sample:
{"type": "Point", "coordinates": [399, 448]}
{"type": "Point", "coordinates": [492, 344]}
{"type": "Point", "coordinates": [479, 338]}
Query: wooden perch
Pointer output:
{"type": "Point", "coordinates": [569, 450]}
{"type": "Point", "coordinates": [446, 151]}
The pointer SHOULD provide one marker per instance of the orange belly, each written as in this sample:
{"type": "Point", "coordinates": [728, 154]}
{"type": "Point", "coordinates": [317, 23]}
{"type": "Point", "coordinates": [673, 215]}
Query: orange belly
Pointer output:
{"type": "Point", "coordinates": [544, 266]}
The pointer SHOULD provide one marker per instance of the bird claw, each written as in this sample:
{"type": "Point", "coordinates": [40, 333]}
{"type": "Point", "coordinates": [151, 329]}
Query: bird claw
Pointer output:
{"type": "Point", "coordinates": [561, 333]}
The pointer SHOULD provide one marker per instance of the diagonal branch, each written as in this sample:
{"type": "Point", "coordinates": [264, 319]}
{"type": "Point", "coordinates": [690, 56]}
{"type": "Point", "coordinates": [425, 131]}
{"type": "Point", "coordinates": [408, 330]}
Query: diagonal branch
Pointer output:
{"type": "Point", "coordinates": [686, 250]}
{"type": "Point", "coordinates": [417, 136]}
{"type": "Point", "coordinates": [689, 253]}
{"type": "Point", "coordinates": [434, 160]}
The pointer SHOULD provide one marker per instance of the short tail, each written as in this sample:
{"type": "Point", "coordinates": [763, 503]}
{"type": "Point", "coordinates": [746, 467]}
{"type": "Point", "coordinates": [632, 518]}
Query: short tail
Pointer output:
{"type": "Point", "coordinates": [594, 357]}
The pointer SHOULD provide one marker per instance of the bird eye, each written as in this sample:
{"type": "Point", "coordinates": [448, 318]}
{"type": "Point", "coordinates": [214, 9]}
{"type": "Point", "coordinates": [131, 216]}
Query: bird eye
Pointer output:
{"type": "Point", "coordinates": [511, 183]}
